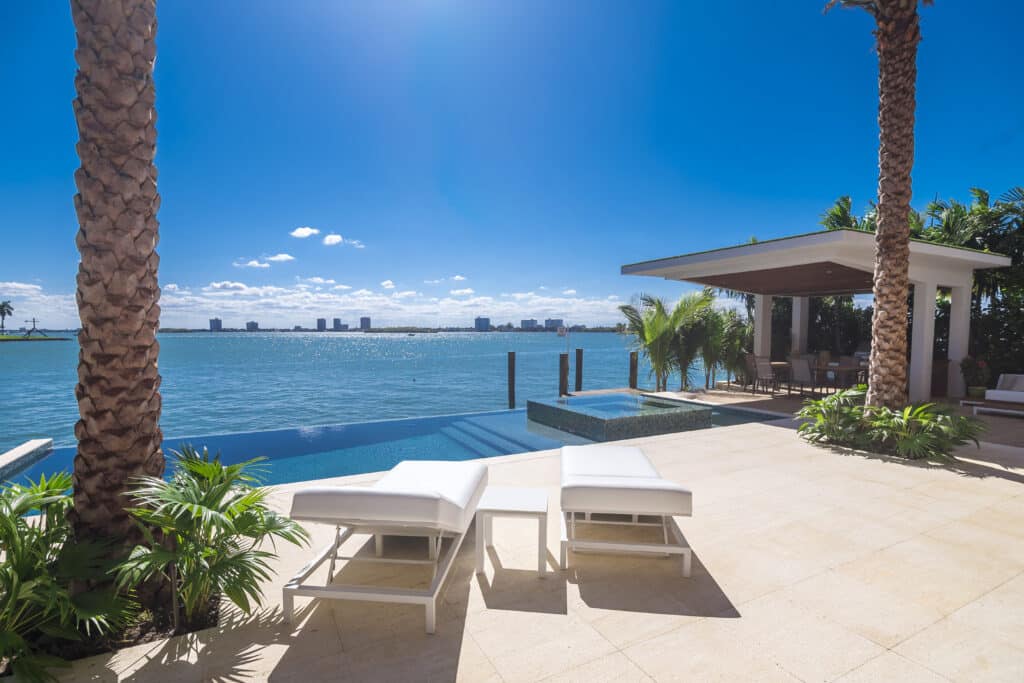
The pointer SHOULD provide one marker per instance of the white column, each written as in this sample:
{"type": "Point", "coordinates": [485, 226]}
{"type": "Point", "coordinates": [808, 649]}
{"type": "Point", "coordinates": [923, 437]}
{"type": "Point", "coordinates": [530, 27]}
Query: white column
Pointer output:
{"type": "Point", "coordinates": [801, 312]}
{"type": "Point", "coordinates": [959, 336]}
{"type": "Point", "coordinates": [762, 325]}
{"type": "Point", "coordinates": [921, 342]}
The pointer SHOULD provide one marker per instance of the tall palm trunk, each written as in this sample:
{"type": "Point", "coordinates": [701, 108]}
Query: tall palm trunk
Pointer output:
{"type": "Point", "coordinates": [118, 383]}
{"type": "Point", "coordinates": [897, 33]}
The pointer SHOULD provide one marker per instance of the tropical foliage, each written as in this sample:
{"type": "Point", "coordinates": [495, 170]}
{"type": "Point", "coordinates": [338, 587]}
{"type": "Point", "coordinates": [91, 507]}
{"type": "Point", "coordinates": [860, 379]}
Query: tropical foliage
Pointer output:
{"type": "Point", "coordinates": [917, 431]}
{"type": "Point", "coordinates": [203, 533]}
{"type": "Point", "coordinates": [40, 562]}
{"type": "Point", "coordinates": [673, 338]}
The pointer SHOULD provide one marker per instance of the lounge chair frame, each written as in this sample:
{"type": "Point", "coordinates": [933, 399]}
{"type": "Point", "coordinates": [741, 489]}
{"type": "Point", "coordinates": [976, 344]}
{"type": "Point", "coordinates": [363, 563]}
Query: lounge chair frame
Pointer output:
{"type": "Point", "coordinates": [427, 598]}
{"type": "Point", "coordinates": [677, 546]}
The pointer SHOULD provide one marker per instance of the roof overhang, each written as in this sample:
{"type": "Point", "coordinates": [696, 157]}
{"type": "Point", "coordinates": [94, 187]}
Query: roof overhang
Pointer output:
{"type": "Point", "coordinates": [816, 264]}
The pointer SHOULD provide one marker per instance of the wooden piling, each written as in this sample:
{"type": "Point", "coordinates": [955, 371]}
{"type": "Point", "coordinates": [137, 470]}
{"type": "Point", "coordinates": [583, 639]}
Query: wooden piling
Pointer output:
{"type": "Point", "coordinates": [563, 374]}
{"type": "Point", "coordinates": [511, 380]}
{"type": "Point", "coordinates": [633, 361]}
{"type": "Point", "coordinates": [579, 369]}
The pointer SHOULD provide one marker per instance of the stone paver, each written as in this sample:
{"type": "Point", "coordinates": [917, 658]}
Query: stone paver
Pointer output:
{"type": "Point", "coordinates": [809, 564]}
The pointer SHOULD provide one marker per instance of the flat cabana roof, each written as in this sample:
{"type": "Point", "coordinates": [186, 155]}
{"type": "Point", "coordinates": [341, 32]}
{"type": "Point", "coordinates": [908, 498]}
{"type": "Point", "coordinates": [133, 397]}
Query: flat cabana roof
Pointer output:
{"type": "Point", "coordinates": [824, 263]}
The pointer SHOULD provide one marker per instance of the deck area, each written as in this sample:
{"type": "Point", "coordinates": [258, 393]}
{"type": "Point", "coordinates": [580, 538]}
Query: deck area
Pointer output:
{"type": "Point", "coordinates": [809, 564]}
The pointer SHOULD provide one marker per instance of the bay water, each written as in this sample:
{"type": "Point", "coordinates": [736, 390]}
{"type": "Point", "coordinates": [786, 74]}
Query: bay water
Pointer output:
{"type": "Point", "coordinates": [249, 381]}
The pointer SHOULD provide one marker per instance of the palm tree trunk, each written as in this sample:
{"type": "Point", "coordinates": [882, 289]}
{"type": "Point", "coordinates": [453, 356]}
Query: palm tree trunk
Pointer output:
{"type": "Point", "coordinates": [118, 383]}
{"type": "Point", "coordinates": [897, 34]}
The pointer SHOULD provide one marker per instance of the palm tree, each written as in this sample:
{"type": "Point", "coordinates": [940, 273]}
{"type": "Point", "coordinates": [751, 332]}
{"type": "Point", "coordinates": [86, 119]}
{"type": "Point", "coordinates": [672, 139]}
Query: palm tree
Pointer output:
{"type": "Point", "coordinates": [897, 34]}
{"type": "Point", "coordinates": [712, 349]}
{"type": "Point", "coordinates": [669, 340]}
{"type": "Point", "coordinates": [5, 310]}
{"type": "Point", "coordinates": [735, 341]}
{"type": "Point", "coordinates": [691, 335]}
{"type": "Point", "coordinates": [118, 383]}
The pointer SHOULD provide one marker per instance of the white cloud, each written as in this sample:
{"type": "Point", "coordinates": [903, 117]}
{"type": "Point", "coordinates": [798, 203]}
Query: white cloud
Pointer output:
{"type": "Point", "coordinates": [317, 280]}
{"type": "Point", "coordinates": [254, 263]}
{"type": "Point", "coordinates": [355, 244]}
{"type": "Point", "coordinates": [333, 238]}
{"type": "Point", "coordinates": [362, 293]}
{"type": "Point", "coordinates": [281, 258]}
{"type": "Point", "coordinates": [226, 285]}
{"type": "Point", "coordinates": [461, 292]}
{"type": "Point", "coordinates": [458, 278]}
{"type": "Point", "coordinates": [303, 233]}
{"type": "Point", "coordinates": [387, 284]}
{"type": "Point", "coordinates": [569, 292]}
{"type": "Point", "coordinates": [612, 297]}
{"type": "Point", "coordinates": [433, 282]}
{"type": "Point", "coordinates": [341, 287]}
{"type": "Point", "coordinates": [404, 295]}
{"type": "Point", "coordinates": [170, 287]}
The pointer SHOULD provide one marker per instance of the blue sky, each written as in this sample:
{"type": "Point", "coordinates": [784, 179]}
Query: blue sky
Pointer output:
{"type": "Point", "coordinates": [486, 157]}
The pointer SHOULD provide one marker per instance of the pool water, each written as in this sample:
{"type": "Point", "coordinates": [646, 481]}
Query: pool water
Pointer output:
{"type": "Point", "coordinates": [338, 450]}
{"type": "Point", "coordinates": [613, 405]}
{"type": "Point", "coordinates": [307, 453]}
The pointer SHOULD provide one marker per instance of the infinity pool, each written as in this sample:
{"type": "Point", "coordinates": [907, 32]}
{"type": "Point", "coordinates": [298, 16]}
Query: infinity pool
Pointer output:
{"type": "Point", "coordinates": [338, 450]}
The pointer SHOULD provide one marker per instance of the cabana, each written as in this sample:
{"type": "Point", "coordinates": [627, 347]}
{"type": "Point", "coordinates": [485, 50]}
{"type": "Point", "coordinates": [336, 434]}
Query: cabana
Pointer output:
{"type": "Point", "coordinates": [834, 263]}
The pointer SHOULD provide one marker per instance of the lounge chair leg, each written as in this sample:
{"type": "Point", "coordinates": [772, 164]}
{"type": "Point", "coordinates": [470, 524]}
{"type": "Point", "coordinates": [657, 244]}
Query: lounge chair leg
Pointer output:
{"type": "Point", "coordinates": [480, 516]}
{"type": "Point", "coordinates": [664, 532]}
{"type": "Point", "coordinates": [378, 543]}
{"type": "Point", "coordinates": [431, 616]}
{"type": "Point", "coordinates": [287, 606]}
{"type": "Point", "coordinates": [563, 551]}
{"type": "Point", "coordinates": [687, 562]}
{"type": "Point", "coordinates": [542, 546]}
{"type": "Point", "coordinates": [432, 547]}
{"type": "Point", "coordinates": [489, 531]}
{"type": "Point", "coordinates": [334, 554]}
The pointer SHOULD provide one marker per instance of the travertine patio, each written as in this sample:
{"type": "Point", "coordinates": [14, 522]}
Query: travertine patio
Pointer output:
{"type": "Point", "coordinates": [809, 564]}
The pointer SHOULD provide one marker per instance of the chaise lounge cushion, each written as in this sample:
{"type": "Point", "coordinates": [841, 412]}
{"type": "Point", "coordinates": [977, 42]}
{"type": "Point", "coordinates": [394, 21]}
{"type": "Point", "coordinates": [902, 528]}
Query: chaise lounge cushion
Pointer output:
{"type": "Point", "coordinates": [618, 480]}
{"type": "Point", "coordinates": [1004, 396]}
{"type": "Point", "coordinates": [421, 494]}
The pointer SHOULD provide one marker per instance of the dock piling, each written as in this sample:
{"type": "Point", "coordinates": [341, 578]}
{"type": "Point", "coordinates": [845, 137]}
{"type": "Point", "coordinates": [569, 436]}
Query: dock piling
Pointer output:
{"type": "Point", "coordinates": [511, 380]}
{"type": "Point", "coordinates": [563, 374]}
{"type": "Point", "coordinates": [579, 369]}
{"type": "Point", "coordinates": [632, 369]}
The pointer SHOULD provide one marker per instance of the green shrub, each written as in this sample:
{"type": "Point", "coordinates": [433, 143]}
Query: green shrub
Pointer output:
{"type": "Point", "coordinates": [203, 529]}
{"type": "Point", "coordinates": [38, 565]}
{"type": "Point", "coordinates": [918, 431]}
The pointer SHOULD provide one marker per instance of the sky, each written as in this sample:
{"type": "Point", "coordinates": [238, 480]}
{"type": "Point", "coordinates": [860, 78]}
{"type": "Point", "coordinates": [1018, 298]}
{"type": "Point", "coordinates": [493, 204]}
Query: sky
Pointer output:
{"type": "Point", "coordinates": [427, 162]}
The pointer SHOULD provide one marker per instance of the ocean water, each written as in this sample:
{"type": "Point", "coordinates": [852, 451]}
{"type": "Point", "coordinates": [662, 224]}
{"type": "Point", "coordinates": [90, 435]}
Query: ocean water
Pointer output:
{"type": "Point", "coordinates": [244, 382]}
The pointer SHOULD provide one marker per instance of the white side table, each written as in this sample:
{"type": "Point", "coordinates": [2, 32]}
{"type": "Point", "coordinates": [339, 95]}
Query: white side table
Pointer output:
{"type": "Point", "coordinates": [506, 501]}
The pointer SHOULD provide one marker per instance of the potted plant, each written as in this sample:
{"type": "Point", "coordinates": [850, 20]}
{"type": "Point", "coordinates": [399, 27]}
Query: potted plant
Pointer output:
{"type": "Point", "coordinates": [976, 374]}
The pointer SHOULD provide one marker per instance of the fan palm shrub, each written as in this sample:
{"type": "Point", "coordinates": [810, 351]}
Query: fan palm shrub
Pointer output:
{"type": "Point", "coordinates": [914, 432]}
{"type": "Point", "coordinates": [203, 534]}
{"type": "Point", "coordinates": [39, 612]}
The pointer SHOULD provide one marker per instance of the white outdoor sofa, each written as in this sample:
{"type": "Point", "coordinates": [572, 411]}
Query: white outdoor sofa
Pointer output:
{"type": "Point", "coordinates": [618, 485]}
{"type": "Point", "coordinates": [426, 498]}
{"type": "Point", "coordinates": [1006, 399]}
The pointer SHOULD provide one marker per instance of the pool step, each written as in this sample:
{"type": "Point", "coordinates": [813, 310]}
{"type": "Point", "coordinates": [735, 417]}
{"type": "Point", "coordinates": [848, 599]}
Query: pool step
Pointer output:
{"type": "Point", "coordinates": [503, 443]}
{"type": "Point", "coordinates": [475, 445]}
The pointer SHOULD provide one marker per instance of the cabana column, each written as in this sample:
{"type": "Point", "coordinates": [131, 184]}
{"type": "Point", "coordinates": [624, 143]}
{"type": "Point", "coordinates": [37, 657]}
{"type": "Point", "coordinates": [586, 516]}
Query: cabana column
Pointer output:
{"type": "Point", "coordinates": [959, 333]}
{"type": "Point", "coordinates": [801, 312]}
{"type": "Point", "coordinates": [922, 341]}
{"type": "Point", "coordinates": [762, 325]}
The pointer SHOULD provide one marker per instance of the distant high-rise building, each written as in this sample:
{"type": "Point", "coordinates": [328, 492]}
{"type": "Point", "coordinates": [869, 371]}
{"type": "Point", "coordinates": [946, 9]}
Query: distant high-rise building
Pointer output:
{"type": "Point", "coordinates": [553, 323]}
{"type": "Point", "coordinates": [215, 325]}
{"type": "Point", "coordinates": [321, 324]}
{"type": "Point", "coordinates": [364, 323]}
{"type": "Point", "coordinates": [252, 326]}
{"type": "Point", "coordinates": [530, 324]}
{"type": "Point", "coordinates": [339, 326]}
{"type": "Point", "coordinates": [482, 324]}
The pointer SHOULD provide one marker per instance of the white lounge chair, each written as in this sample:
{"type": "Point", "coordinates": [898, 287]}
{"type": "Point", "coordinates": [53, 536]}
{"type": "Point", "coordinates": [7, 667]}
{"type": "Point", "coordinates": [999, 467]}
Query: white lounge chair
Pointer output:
{"type": "Point", "coordinates": [426, 498]}
{"type": "Point", "coordinates": [616, 482]}
{"type": "Point", "coordinates": [1006, 399]}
